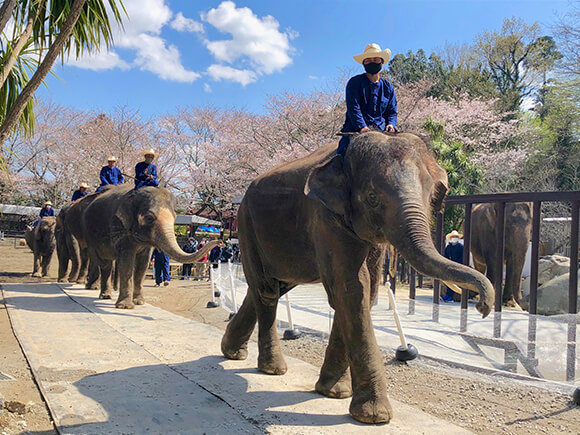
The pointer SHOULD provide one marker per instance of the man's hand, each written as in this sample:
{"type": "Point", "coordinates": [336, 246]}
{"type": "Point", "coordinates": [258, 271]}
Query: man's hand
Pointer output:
{"type": "Point", "coordinates": [390, 128]}
{"type": "Point", "coordinates": [364, 129]}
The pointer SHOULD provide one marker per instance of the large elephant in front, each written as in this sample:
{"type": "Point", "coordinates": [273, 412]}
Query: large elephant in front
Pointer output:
{"type": "Point", "coordinates": [40, 239]}
{"type": "Point", "coordinates": [123, 225]}
{"type": "Point", "coordinates": [518, 229]}
{"type": "Point", "coordinates": [71, 242]}
{"type": "Point", "coordinates": [328, 218]}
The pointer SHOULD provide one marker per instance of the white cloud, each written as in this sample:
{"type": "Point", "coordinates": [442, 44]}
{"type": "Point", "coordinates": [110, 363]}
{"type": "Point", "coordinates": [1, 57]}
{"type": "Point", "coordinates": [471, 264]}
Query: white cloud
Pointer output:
{"type": "Point", "coordinates": [257, 40]}
{"type": "Point", "coordinates": [142, 27]}
{"type": "Point", "coordinates": [207, 88]}
{"type": "Point", "coordinates": [223, 72]}
{"type": "Point", "coordinates": [182, 24]}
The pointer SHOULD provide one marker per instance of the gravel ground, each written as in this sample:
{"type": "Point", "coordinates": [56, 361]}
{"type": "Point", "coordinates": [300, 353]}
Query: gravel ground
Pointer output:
{"type": "Point", "coordinates": [480, 402]}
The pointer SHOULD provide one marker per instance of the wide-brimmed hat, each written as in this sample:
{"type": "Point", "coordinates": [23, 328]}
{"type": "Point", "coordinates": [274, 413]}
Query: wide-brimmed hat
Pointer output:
{"type": "Point", "coordinates": [47, 203]}
{"type": "Point", "coordinates": [149, 151]}
{"type": "Point", "coordinates": [452, 234]}
{"type": "Point", "coordinates": [373, 50]}
{"type": "Point", "coordinates": [85, 185]}
{"type": "Point", "coordinates": [111, 159]}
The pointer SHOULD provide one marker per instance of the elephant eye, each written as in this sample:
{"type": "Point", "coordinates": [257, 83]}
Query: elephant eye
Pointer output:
{"type": "Point", "coordinates": [372, 199]}
{"type": "Point", "coordinates": [149, 219]}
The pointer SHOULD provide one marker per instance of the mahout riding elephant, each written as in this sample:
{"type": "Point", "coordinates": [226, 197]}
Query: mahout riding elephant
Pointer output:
{"type": "Point", "coordinates": [71, 243]}
{"type": "Point", "coordinates": [518, 229]}
{"type": "Point", "coordinates": [329, 218]}
{"type": "Point", "coordinates": [123, 226]}
{"type": "Point", "coordinates": [40, 239]}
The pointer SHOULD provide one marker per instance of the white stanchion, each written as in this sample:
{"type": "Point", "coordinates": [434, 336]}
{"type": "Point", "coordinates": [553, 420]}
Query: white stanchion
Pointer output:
{"type": "Point", "coordinates": [405, 352]}
{"type": "Point", "coordinates": [291, 333]}
{"type": "Point", "coordinates": [232, 286]}
{"type": "Point", "coordinates": [213, 303]}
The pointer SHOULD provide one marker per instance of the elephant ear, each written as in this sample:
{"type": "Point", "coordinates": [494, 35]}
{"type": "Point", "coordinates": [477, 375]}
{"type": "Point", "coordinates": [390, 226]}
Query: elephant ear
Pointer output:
{"type": "Point", "coordinates": [440, 185]}
{"type": "Point", "coordinates": [327, 183]}
{"type": "Point", "coordinates": [125, 214]}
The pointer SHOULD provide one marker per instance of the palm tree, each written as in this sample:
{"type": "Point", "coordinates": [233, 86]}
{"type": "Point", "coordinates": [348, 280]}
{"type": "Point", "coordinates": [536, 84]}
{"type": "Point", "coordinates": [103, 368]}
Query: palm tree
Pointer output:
{"type": "Point", "coordinates": [46, 29]}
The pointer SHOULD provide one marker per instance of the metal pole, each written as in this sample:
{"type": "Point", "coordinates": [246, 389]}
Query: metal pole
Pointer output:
{"type": "Point", "coordinates": [573, 286]}
{"type": "Point", "coordinates": [466, 249]}
{"type": "Point", "coordinates": [232, 286]}
{"type": "Point", "coordinates": [412, 283]}
{"type": "Point", "coordinates": [536, 215]}
{"type": "Point", "coordinates": [438, 245]}
{"type": "Point", "coordinates": [499, 244]}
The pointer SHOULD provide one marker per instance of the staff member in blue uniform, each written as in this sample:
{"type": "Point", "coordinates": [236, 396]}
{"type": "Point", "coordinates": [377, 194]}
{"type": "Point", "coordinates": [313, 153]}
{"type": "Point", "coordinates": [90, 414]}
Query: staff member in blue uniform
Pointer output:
{"type": "Point", "coordinates": [161, 267]}
{"type": "Point", "coordinates": [81, 192]}
{"type": "Point", "coordinates": [370, 100]}
{"type": "Point", "coordinates": [46, 210]}
{"type": "Point", "coordinates": [110, 174]}
{"type": "Point", "coordinates": [146, 171]}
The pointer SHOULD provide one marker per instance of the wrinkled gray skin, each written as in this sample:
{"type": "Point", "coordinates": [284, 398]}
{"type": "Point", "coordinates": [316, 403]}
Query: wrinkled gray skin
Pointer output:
{"type": "Point", "coordinates": [41, 241]}
{"type": "Point", "coordinates": [71, 243]}
{"type": "Point", "coordinates": [328, 218]}
{"type": "Point", "coordinates": [123, 225]}
{"type": "Point", "coordinates": [518, 230]}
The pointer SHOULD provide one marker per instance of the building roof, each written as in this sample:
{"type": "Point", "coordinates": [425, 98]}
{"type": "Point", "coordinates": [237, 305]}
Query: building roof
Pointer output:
{"type": "Point", "coordinates": [22, 210]}
{"type": "Point", "coordinates": [191, 219]}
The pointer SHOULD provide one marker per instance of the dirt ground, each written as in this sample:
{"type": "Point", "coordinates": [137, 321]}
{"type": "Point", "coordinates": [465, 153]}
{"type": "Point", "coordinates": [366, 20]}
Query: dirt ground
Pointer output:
{"type": "Point", "coordinates": [481, 403]}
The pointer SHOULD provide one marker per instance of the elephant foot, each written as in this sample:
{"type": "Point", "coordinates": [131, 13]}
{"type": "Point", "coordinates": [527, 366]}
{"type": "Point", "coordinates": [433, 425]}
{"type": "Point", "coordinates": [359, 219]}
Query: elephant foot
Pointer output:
{"type": "Point", "coordinates": [62, 280]}
{"type": "Point", "coordinates": [139, 300]}
{"type": "Point", "coordinates": [335, 386]}
{"type": "Point", "coordinates": [511, 302]}
{"type": "Point", "coordinates": [35, 275]}
{"type": "Point", "coordinates": [233, 352]}
{"type": "Point", "coordinates": [106, 295]}
{"type": "Point", "coordinates": [367, 409]}
{"type": "Point", "coordinates": [125, 303]}
{"type": "Point", "coordinates": [272, 364]}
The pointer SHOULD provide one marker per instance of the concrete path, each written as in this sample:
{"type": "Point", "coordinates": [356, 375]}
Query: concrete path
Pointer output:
{"type": "Point", "coordinates": [104, 370]}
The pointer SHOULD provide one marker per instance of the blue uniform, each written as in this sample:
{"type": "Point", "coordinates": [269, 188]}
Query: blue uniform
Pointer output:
{"type": "Point", "coordinates": [161, 267]}
{"type": "Point", "coordinates": [368, 104]}
{"type": "Point", "coordinates": [78, 194]}
{"type": "Point", "coordinates": [142, 169]}
{"type": "Point", "coordinates": [454, 253]}
{"type": "Point", "coordinates": [46, 212]}
{"type": "Point", "coordinates": [110, 176]}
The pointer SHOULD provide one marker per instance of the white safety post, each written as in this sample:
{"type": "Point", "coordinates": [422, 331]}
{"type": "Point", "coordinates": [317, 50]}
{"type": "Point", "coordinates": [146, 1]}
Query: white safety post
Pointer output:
{"type": "Point", "coordinates": [232, 286]}
{"type": "Point", "coordinates": [396, 315]}
{"type": "Point", "coordinates": [290, 322]}
{"type": "Point", "coordinates": [212, 284]}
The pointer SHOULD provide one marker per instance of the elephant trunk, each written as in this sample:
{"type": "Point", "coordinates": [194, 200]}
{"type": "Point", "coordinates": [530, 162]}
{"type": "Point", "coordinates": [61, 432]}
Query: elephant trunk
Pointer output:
{"type": "Point", "coordinates": [164, 239]}
{"type": "Point", "coordinates": [418, 249]}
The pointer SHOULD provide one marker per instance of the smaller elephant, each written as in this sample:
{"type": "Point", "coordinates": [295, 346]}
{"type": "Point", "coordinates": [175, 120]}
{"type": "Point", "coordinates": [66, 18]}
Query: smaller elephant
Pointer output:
{"type": "Point", "coordinates": [40, 239]}
{"type": "Point", "coordinates": [518, 228]}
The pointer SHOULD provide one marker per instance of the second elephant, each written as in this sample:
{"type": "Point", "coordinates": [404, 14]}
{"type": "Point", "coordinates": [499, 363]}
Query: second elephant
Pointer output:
{"type": "Point", "coordinates": [40, 239]}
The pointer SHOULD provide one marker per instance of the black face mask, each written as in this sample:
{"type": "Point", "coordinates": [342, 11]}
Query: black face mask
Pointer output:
{"type": "Point", "coordinates": [373, 67]}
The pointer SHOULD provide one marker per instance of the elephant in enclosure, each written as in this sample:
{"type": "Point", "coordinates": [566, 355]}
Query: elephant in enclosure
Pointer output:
{"type": "Point", "coordinates": [123, 225]}
{"type": "Point", "coordinates": [40, 239]}
{"type": "Point", "coordinates": [518, 229]}
{"type": "Point", "coordinates": [71, 243]}
{"type": "Point", "coordinates": [328, 218]}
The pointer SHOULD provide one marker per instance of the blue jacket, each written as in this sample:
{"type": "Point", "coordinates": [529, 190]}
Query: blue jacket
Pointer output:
{"type": "Point", "coordinates": [142, 169]}
{"type": "Point", "coordinates": [369, 104]}
{"type": "Point", "coordinates": [77, 194]}
{"type": "Point", "coordinates": [44, 212]}
{"type": "Point", "coordinates": [454, 252]}
{"type": "Point", "coordinates": [110, 176]}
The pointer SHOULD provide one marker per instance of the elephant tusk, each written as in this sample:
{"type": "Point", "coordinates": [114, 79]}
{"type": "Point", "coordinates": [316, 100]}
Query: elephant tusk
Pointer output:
{"type": "Point", "coordinates": [453, 287]}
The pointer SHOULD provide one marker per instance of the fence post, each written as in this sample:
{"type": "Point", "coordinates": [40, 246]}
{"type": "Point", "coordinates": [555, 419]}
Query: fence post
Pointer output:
{"type": "Point", "coordinates": [499, 245]}
{"type": "Point", "coordinates": [536, 215]}
{"type": "Point", "coordinates": [573, 285]}
{"type": "Point", "coordinates": [466, 249]}
{"type": "Point", "coordinates": [439, 247]}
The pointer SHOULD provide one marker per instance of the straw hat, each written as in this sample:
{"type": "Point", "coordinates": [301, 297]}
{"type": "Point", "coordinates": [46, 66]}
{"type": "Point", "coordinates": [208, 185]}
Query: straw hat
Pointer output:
{"type": "Point", "coordinates": [373, 50]}
{"type": "Point", "coordinates": [85, 185]}
{"type": "Point", "coordinates": [48, 203]}
{"type": "Point", "coordinates": [149, 151]}
{"type": "Point", "coordinates": [111, 159]}
{"type": "Point", "coordinates": [452, 234]}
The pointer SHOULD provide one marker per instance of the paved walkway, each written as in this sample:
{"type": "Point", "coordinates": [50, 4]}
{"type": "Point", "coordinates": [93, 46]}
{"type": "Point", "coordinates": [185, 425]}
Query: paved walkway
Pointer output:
{"type": "Point", "coordinates": [108, 371]}
{"type": "Point", "coordinates": [539, 346]}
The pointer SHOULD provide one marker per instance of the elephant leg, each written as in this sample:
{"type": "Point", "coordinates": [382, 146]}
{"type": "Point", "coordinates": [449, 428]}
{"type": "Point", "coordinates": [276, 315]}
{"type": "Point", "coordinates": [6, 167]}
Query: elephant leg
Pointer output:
{"type": "Point", "coordinates": [235, 340]}
{"type": "Point", "coordinates": [105, 267]}
{"type": "Point", "coordinates": [141, 263]}
{"type": "Point", "coordinates": [45, 263]}
{"type": "Point", "coordinates": [270, 357]}
{"type": "Point", "coordinates": [62, 254]}
{"type": "Point", "coordinates": [335, 380]}
{"type": "Point", "coordinates": [75, 259]}
{"type": "Point", "coordinates": [36, 265]}
{"type": "Point", "coordinates": [93, 275]}
{"type": "Point", "coordinates": [84, 265]}
{"type": "Point", "coordinates": [125, 262]}
{"type": "Point", "coordinates": [512, 294]}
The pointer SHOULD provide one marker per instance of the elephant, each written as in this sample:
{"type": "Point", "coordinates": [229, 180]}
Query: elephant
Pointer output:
{"type": "Point", "coordinates": [122, 225]}
{"type": "Point", "coordinates": [40, 239]}
{"type": "Point", "coordinates": [518, 229]}
{"type": "Point", "coordinates": [71, 243]}
{"type": "Point", "coordinates": [328, 218]}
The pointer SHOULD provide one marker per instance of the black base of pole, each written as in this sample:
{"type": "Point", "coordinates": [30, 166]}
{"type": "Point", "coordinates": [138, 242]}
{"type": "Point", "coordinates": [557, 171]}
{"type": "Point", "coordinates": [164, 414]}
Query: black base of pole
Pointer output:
{"type": "Point", "coordinates": [217, 294]}
{"type": "Point", "coordinates": [212, 304]}
{"type": "Point", "coordinates": [292, 334]}
{"type": "Point", "coordinates": [406, 354]}
{"type": "Point", "coordinates": [576, 396]}
{"type": "Point", "coordinates": [232, 314]}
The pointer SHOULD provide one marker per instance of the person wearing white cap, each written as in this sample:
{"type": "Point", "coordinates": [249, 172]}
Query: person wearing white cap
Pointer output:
{"type": "Point", "coordinates": [371, 103]}
{"type": "Point", "coordinates": [110, 174]}
{"type": "Point", "coordinates": [46, 210]}
{"type": "Point", "coordinates": [146, 171]}
{"type": "Point", "coordinates": [453, 251]}
{"type": "Point", "coordinates": [81, 192]}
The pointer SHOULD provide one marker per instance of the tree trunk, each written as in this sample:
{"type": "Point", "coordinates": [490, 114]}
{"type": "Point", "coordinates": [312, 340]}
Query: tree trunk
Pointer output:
{"type": "Point", "coordinates": [40, 74]}
{"type": "Point", "coordinates": [6, 12]}
{"type": "Point", "coordinates": [15, 52]}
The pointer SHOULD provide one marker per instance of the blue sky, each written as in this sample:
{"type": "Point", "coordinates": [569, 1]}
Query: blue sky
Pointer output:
{"type": "Point", "coordinates": [176, 53]}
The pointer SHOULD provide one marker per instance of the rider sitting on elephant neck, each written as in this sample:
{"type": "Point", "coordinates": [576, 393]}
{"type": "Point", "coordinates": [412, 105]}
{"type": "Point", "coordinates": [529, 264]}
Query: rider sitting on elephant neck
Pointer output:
{"type": "Point", "coordinates": [146, 171]}
{"type": "Point", "coordinates": [47, 210]}
{"type": "Point", "coordinates": [371, 103]}
{"type": "Point", "coordinates": [110, 174]}
{"type": "Point", "coordinates": [81, 192]}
